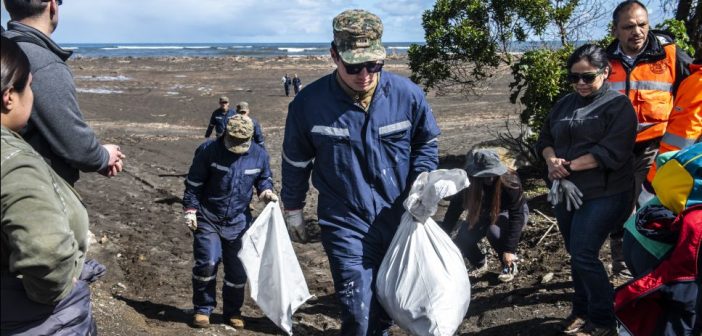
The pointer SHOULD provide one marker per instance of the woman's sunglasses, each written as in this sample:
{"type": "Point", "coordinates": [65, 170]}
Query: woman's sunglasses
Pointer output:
{"type": "Point", "coordinates": [587, 77]}
{"type": "Point", "coordinates": [371, 67]}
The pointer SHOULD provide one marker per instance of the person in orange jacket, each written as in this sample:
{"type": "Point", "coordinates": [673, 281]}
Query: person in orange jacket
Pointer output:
{"type": "Point", "coordinates": [685, 122]}
{"type": "Point", "coordinates": [648, 67]}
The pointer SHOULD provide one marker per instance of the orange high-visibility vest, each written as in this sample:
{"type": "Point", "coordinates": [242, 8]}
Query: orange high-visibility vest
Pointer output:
{"type": "Point", "coordinates": [649, 86]}
{"type": "Point", "coordinates": [685, 122]}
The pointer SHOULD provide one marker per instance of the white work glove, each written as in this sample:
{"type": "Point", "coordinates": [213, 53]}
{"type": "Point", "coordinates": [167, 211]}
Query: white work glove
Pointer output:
{"type": "Point", "coordinates": [572, 195]}
{"type": "Point", "coordinates": [555, 195]}
{"type": "Point", "coordinates": [296, 225]}
{"type": "Point", "coordinates": [268, 196]}
{"type": "Point", "coordinates": [191, 219]}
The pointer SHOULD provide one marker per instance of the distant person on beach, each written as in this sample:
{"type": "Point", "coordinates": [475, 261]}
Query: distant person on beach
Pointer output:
{"type": "Point", "coordinates": [218, 191]}
{"type": "Point", "coordinates": [648, 67]}
{"type": "Point", "coordinates": [219, 118]}
{"type": "Point", "coordinates": [297, 83]}
{"type": "Point", "coordinates": [364, 135]}
{"type": "Point", "coordinates": [497, 209]}
{"type": "Point", "coordinates": [587, 141]}
{"type": "Point", "coordinates": [56, 128]}
{"type": "Point", "coordinates": [286, 84]}
{"type": "Point", "coordinates": [43, 266]}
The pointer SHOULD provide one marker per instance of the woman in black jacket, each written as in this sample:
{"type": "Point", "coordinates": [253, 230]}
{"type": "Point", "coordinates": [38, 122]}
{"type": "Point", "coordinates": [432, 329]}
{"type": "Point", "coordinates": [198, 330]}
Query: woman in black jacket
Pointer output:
{"type": "Point", "coordinates": [587, 142]}
{"type": "Point", "coordinates": [496, 209]}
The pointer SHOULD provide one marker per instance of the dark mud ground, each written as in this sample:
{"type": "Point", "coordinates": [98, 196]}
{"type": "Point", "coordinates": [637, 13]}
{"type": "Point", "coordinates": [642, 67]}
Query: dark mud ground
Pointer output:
{"type": "Point", "coordinates": [157, 110]}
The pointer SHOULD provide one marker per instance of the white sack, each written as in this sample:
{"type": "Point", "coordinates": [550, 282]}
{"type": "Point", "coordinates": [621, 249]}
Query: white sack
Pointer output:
{"type": "Point", "coordinates": [276, 280]}
{"type": "Point", "coordinates": [422, 282]}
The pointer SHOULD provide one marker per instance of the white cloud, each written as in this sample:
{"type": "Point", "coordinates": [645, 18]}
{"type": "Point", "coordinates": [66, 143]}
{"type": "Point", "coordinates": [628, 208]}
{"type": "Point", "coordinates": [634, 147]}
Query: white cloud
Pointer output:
{"type": "Point", "coordinates": [165, 21]}
{"type": "Point", "coordinates": [172, 21]}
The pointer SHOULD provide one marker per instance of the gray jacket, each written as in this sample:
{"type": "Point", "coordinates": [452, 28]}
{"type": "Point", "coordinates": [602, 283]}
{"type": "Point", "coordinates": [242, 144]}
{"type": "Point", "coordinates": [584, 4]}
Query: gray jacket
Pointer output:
{"type": "Point", "coordinates": [56, 128]}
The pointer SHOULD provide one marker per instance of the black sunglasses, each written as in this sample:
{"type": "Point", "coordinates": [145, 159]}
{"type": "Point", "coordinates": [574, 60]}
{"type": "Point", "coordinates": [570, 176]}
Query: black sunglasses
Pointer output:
{"type": "Point", "coordinates": [59, 2]}
{"type": "Point", "coordinates": [354, 69]}
{"type": "Point", "coordinates": [587, 77]}
{"type": "Point", "coordinates": [371, 67]}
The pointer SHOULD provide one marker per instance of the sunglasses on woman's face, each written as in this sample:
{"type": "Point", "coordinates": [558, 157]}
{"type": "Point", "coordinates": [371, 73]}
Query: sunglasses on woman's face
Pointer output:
{"type": "Point", "coordinates": [587, 77]}
{"type": "Point", "coordinates": [371, 67]}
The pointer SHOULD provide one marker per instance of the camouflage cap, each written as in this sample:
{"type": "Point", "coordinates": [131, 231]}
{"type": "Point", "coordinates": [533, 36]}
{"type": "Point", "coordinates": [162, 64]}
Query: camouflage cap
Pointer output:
{"type": "Point", "coordinates": [223, 99]}
{"type": "Point", "coordinates": [239, 132]}
{"type": "Point", "coordinates": [242, 107]}
{"type": "Point", "coordinates": [357, 35]}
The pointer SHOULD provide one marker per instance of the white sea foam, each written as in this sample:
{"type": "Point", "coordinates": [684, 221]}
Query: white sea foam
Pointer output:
{"type": "Point", "coordinates": [103, 78]}
{"type": "Point", "coordinates": [399, 48]}
{"type": "Point", "coordinates": [296, 50]}
{"type": "Point", "coordinates": [98, 91]}
{"type": "Point", "coordinates": [70, 48]}
{"type": "Point", "coordinates": [144, 47]}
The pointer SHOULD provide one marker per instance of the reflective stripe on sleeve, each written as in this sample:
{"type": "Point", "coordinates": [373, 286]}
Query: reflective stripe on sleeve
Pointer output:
{"type": "Point", "coordinates": [677, 141]}
{"type": "Point", "coordinates": [230, 284]}
{"type": "Point", "coordinates": [194, 184]}
{"type": "Point", "coordinates": [297, 164]}
{"type": "Point", "coordinates": [252, 171]}
{"type": "Point", "coordinates": [220, 167]}
{"type": "Point", "coordinates": [204, 279]}
{"type": "Point", "coordinates": [331, 131]}
{"type": "Point", "coordinates": [396, 127]}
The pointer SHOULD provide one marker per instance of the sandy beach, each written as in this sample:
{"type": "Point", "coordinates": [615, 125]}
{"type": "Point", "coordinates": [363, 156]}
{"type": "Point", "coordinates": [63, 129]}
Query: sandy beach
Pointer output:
{"type": "Point", "coordinates": [157, 110]}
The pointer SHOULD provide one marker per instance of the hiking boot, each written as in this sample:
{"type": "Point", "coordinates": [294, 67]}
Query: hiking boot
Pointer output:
{"type": "Point", "coordinates": [508, 273]}
{"type": "Point", "coordinates": [478, 271]}
{"type": "Point", "coordinates": [572, 324]}
{"type": "Point", "coordinates": [236, 322]}
{"type": "Point", "coordinates": [591, 329]}
{"type": "Point", "coordinates": [201, 321]}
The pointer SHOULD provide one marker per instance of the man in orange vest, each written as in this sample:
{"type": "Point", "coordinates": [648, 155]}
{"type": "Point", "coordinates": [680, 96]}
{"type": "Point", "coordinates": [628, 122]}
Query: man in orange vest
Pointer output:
{"type": "Point", "coordinates": [647, 67]}
{"type": "Point", "coordinates": [685, 122]}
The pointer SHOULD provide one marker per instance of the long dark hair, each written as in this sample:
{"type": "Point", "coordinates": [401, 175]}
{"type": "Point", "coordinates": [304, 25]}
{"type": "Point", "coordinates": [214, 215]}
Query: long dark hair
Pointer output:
{"type": "Point", "coordinates": [14, 66]}
{"type": "Point", "coordinates": [473, 196]}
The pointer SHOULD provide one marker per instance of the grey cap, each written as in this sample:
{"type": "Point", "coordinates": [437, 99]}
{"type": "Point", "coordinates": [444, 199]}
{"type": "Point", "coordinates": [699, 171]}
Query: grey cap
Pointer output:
{"type": "Point", "coordinates": [484, 163]}
{"type": "Point", "coordinates": [223, 99]}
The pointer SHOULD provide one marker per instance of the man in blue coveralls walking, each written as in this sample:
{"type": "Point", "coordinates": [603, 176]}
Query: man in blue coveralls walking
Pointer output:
{"type": "Point", "coordinates": [218, 191]}
{"type": "Point", "coordinates": [218, 120]}
{"type": "Point", "coordinates": [364, 135]}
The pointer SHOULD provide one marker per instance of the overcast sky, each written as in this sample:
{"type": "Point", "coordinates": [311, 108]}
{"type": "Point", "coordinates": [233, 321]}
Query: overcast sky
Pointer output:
{"type": "Point", "coordinates": [235, 21]}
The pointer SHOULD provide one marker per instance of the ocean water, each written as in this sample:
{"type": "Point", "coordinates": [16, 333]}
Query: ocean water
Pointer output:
{"type": "Point", "coordinates": [212, 49]}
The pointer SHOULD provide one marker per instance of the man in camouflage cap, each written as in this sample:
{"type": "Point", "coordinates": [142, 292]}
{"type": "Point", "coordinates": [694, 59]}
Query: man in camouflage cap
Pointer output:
{"type": "Point", "coordinates": [357, 35]}
{"type": "Point", "coordinates": [366, 134]}
{"type": "Point", "coordinates": [218, 191]}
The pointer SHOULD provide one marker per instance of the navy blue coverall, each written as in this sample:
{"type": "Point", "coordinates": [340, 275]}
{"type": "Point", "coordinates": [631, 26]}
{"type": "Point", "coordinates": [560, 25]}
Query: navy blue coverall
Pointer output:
{"type": "Point", "coordinates": [220, 187]}
{"type": "Point", "coordinates": [218, 121]}
{"type": "Point", "coordinates": [363, 164]}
